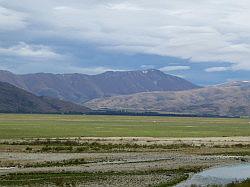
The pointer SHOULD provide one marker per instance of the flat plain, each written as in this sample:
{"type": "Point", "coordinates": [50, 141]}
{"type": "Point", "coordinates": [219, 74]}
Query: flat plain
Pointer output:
{"type": "Point", "coordinates": [16, 126]}
{"type": "Point", "coordinates": [88, 150]}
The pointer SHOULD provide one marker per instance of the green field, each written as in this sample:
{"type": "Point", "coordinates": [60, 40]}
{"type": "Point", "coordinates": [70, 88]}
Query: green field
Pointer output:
{"type": "Point", "coordinates": [14, 126]}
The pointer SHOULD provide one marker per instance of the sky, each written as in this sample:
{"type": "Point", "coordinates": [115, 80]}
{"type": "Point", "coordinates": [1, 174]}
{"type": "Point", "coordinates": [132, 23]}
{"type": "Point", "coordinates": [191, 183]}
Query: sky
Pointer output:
{"type": "Point", "coordinates": [206, 42]}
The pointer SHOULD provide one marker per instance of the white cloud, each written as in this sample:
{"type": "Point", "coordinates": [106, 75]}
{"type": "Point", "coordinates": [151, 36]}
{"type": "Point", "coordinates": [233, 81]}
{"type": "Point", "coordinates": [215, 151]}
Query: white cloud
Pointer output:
{"type": "Point", "coordinates": [123, 6]}
{"type": "Point", "coordinates": [92, 70]}
{"type": "Point", "coordinates": [178, 75]}
{"type": "Point", "coordinates": [57, 67]}
{"type": "Point", "coordinates": [11, 19]}
{"type": "Point", "coordinates": [147, 66]}
{"type": "Point", "coordinates": [218, 69]}
{"type": "Point", "coordinates": [32, 51]}
{"type": "Point", "coordinates": [198, 30]}
{"type": "Point", "coordinates": [174, 68]}
{"type": "Point", "coordinates": [61, 8]}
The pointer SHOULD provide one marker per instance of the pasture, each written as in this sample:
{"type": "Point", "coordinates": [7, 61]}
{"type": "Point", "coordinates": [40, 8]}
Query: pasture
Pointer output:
{"type": "Point", "coordinates": [16, 126]}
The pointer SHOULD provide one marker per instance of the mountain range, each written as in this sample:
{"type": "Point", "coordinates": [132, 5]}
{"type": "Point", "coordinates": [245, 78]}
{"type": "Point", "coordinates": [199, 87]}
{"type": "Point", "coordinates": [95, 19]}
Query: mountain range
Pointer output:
{"type": "Point", "coordinates": [147, 90]}
{"type": "Point", "coordinates": [231, 99]}
{"type": "Point", "coordinates": [16, 100]}
{"type": "Point", "coordinates": [79, 88]}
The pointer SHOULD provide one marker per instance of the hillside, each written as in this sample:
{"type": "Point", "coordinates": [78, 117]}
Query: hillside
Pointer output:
{"type": "Point", "coordinates": [80, 88]}
{"type": "Point", "coordinates": [232, 99]}
{"type": "Point", "coordinates": [16, 100]}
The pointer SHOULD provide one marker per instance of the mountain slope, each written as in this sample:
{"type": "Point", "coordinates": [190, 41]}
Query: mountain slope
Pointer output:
{"type": "Point", "coordinates": [232, 99]}
{"type": "Point", "coordinates": [80, 88]}
{"type": "Point", "coordinates": [16, 100]}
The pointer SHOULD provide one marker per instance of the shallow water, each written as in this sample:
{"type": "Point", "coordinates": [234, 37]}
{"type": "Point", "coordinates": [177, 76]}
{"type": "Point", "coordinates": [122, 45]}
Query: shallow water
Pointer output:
{"type": "Point", "coordinates": [219, 175]}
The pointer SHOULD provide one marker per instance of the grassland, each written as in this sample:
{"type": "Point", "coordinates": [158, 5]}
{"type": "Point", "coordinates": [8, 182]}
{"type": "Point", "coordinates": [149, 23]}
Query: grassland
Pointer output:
{"type": "Point", "coordinates": [77, 179]}
{"type": "Point", "coordinates": [13, 126]}
{"type": "Point", "coordinates": [85, 150]}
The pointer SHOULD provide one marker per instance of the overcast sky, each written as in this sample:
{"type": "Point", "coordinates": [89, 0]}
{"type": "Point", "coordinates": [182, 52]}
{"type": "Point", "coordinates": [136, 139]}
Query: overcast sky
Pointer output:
{"type": "Point", "coordinates": [205, 41]}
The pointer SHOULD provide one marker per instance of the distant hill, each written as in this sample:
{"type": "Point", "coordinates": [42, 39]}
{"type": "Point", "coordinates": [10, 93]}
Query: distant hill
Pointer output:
{"type": "Point", "coordinates": [16, 100]}
{"type": "Point", "coordinates": [231, 99]}
{"type": "Point", "coordinates": [80, 88]}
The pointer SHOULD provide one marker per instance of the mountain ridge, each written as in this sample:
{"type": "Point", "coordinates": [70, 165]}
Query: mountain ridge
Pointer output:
{"type": "Point", "coordinates": [79, 88]}
{"type": "Point", "coordinates": [16, 100]}
{"type": "Point", "coordinates": [230, 99]}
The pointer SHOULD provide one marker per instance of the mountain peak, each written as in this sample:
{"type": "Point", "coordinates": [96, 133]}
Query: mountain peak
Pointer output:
{"type": "Point", "coordinates": [80, 88]}
{"type": "Point", "coordinates": [151, 71]}
{"type": "Point", "coordinates": [144, 73]}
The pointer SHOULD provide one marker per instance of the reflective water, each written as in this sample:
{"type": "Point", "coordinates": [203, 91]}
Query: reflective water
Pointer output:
{"type": "Point", "coordinates": [220, 175]}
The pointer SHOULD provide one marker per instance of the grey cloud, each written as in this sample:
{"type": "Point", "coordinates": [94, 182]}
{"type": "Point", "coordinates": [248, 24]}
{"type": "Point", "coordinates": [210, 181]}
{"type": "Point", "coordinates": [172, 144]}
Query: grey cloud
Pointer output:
{"type": "Point", "coordinates": [11, 19]}
{"type": "Point", "coordinates": [199, 30]}
{"type": "Point", "coordinates": [33, 51]}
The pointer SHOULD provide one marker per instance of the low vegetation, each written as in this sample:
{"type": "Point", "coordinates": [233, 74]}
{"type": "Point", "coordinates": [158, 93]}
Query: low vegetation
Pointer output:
{"type": "Point", "coordinates": [78, 154]}
{"type": "Point", "coordinates": [76, 146]}
{"type": "Point", "coordinates": [53, 126]}
{"type": "Point", "coordinates": [73, 178]}
{"type": "Point", "coordinates": [174, 181]}
{"type": "Point", "coordinates": [245, 183]}
{"type": "Point", "coordinates": [70, 162]}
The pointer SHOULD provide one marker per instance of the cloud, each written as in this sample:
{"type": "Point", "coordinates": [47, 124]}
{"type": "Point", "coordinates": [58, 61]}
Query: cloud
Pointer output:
{"type": "Point", "coordinates": [201, 31]}
{"type": "Point", "coordinates": [92, 70]}
{"type": "Point", "coordinates": [174, 68]}
{"type": "Point", "coordinates": [124, 7]}
{"type": "Point", "coordinates": [147, 66]}
{"type": "Point", "coordinates": [57, 67]}
{"type": "Point", "coordinates": [31, 51]}
{"type": "Point", "coordinates": [11, 19]}
{"type": "Point", "coordinates": [218, 69]}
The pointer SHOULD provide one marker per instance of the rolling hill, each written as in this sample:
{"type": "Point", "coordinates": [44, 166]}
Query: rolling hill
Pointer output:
{"type": "Point", "coordinates": [231, 99]}
{"type": "Point", "coordinates": [79, 88]}
{"type": "Point", "coordinates": [16, 100]}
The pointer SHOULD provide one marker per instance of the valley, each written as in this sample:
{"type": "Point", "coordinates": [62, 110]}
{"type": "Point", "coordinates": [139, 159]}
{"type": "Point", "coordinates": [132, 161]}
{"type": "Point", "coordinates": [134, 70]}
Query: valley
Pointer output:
{"type": "Point", "coordinates": [124, 93]}
{"type": "Point", "coordinates": [82, 150]}
{"type": "Point", "coordinates": [158, 131]}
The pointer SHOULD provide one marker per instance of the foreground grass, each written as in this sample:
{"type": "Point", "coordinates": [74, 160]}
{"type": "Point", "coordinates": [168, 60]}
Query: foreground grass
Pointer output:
{"type": "Point", "coordinates": [14, 126]}
{"type": "Point", "coordinates": [76, 146]}
{"type": "Point", "coordinates": [174, 181]}
{"type": "Point", "coordinates": [72, 178]}
{"type": "Point", "coordinates": [245, 183]}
